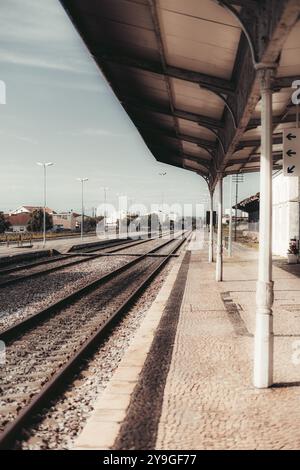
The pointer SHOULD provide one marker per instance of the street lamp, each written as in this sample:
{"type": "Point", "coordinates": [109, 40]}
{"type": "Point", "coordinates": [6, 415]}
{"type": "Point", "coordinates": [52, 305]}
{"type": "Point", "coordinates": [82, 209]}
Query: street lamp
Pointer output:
{"type": "Point", "coordinates": [162, 196]}
{"type": "Point", "coordinates": [238, 178]}
{"type": "Point", "coordinates": [82, 180]}
{"type": "Point", "coordinates": [105, 189]}
{"type": "Point", "coordinates": [44, 165]}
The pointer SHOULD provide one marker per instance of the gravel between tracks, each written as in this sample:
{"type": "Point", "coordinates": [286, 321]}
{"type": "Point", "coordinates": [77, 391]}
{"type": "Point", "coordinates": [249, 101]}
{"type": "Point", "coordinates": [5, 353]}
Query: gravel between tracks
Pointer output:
{"type": "Point", "coordinates": [62, 423]}
{"type": "Point", "coordinates": [25, 298]}
{"type": "Point", "coordinates": [22, 300]}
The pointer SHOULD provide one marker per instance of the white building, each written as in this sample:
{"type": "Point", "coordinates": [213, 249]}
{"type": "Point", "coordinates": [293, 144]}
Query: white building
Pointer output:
{"type": "Point", "coordinates": [285, 212]}
{"type": "Point", "coordinates": [30, 209]}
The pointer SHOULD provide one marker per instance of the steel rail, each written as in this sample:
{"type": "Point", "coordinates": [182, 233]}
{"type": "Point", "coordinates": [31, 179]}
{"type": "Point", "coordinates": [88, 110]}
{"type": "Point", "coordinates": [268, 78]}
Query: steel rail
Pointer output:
{"type": "Point", "coordinates": [60, 378]}
{"type": "Point", "coordinates": [27, 323]}
{"type": "Point", "coordinates": [59, 256]}
{"type": "Point", "coordinates": [87, 257]}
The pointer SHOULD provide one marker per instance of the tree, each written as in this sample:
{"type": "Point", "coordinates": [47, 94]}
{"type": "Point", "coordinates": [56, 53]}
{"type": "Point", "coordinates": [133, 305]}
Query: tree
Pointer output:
{"type": "Point", "coordinates": [36, 221]}
{"type": "Point", "coordinates": [4, 223]}
{"type": "Point", "coordinates": [90, 223]}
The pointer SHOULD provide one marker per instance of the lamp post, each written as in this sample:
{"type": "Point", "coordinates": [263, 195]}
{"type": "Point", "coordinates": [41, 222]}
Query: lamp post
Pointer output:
{"type": "Point", "coordinates": [230, 220]}
{"type": "Point", "coordinates": [44, 165]}
{"type": "Point", "coordinates": [162, 194]}
{"type": "Point", "coordinates": [238, 178]}
{"type": "Point", "coordinates": [105, 189]}
{"type": "Point", "coordinates": [82, 180]}
{"type": "Point", "coordinates": [162, 199]}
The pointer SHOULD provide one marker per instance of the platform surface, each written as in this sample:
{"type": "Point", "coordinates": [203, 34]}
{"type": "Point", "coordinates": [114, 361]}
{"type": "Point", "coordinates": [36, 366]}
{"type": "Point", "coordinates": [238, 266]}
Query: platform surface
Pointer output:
{"type": "Point", "coordinates": [204, 398]}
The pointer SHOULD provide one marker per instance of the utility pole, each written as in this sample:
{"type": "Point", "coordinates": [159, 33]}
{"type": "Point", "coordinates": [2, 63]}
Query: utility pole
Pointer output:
{"type": "Point", "coordinates": [230, 220]}
{"type": "Point", "coordinates": [82, 180]}
{"type": "Point", "coordinates": [105, 189]}
{"type": "Point", "coordinates": [238, 178]}
{"type": "Point", "coordinates": [162, 200]}
{"type": "Point", "coordinates": [45, 165]}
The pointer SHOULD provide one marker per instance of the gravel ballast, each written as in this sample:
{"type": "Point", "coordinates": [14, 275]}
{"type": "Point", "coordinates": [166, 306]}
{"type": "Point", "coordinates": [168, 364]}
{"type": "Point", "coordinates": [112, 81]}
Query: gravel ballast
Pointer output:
{"type": "Point", "coordinates": [63, 422]}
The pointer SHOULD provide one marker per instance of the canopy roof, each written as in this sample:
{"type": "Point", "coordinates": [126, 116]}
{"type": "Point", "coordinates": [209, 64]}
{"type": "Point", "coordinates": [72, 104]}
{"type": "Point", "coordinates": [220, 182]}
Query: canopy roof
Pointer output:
{"type": "Point", "coordinates": [183, 71]}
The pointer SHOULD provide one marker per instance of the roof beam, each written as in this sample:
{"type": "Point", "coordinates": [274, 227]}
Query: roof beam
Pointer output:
{"type": "Point", "coordinates": [253, 170]}
{"type": "Point", "coordinates": [206, 121]}
{"type": "Point", "coordinates": [217, 84]}
{"type": "Point", "coordinates": [169, 156]}
{"type": "Point", "coordinates": [275, 25]}
{"type": "Point", "coordinates": [255, 158]}
{"type": "Point", "coordinates": [170, 153]}
{"type": "Point", "coordinates": [244, 3]}
{"type": "Point", "coordinates": [157, 30]}
{"type": "Point", "coordinates": [284, 82]}
{"type": "Point", "coordinates": [291, 118]}
{"type": "Point", "coordinates": [144, 127]}
{"type": "Point", "coordinates": [256, 142]}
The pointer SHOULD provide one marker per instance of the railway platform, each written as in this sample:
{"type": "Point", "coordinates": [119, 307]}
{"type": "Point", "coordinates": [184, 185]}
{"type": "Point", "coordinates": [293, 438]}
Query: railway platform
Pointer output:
{"type": "Point", "coordinates": [62, 245]}
{"type": "Point", "coordinates": [185, 381]}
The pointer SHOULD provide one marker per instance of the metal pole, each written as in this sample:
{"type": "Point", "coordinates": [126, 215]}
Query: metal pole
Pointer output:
{"type": "Point", "coordinates": [105, 212]}
{"type": "Point", "coordinates": [82, 180]}
{"type": "Point", "coordinates": [264, 338]}
{"type": "Point", "coordinates": [82, 210]}
{"type": "Point", "coordinates": [230, 220]}
{"type": "Point", "coordinates": [211, 229]}
{"type": "Point", "coordinates": [236, 201]}
{"type": "Point", "coordinates": [44, 214]}
{"type": "Point", "coordinates": [219, 263]}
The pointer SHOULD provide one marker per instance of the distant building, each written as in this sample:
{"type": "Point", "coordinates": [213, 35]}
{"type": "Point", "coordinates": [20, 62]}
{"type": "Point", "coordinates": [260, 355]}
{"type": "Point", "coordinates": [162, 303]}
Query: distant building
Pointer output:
{"type": "Point", "coordinates": [285, 212]}
{"type": "Point", "coordinates": [250, 205]}
{"type": "Point", "coordinates": [286, 202]}
{"type": "Point", "coordinates": [30, 209]}
{"type": "Point", "coordinates": [66, 220]}
{"type": "Point", "coordinates": [18, 222]}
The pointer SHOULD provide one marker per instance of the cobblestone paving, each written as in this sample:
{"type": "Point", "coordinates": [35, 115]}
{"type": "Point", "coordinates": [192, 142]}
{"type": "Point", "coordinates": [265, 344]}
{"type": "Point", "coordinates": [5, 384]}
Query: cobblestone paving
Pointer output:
{"type": "Point", "coordinates": [209, 400]}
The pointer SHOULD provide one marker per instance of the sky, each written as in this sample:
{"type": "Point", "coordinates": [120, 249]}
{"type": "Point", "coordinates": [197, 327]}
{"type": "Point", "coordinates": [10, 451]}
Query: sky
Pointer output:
{"type": "Point", "coordinates": [60, 108]}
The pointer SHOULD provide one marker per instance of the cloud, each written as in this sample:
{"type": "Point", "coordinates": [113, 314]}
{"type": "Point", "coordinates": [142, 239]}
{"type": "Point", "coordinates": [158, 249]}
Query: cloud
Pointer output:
{"type": "Point", "coordinates": [21, 138]}
{"type": "Point", "coordinates": [97, 132]}
{"type": "Point", "coordinates": [37, 35]}
{"type": "Point", "coordinates": [102, 133]}
{"type": "Point", "coordinates": [45, 61]}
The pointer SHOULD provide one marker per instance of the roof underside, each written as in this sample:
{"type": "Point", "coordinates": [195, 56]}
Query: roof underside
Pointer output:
{"type": "Point", "coordinates": [184, 73]}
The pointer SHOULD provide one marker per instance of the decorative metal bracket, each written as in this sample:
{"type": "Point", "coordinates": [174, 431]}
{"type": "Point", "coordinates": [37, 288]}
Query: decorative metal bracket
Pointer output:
{"type": "Point", "coordinates": [215, 132]}
{"type": "Point", "coordinates": [225, 101]}
{"type": "Point", "coordinates": [227, 6]}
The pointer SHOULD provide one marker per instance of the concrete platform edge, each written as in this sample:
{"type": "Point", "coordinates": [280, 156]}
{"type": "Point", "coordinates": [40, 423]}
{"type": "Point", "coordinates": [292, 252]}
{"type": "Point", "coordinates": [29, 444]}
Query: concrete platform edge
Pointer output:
{"type": "Point", "coordinates": [102, 428]}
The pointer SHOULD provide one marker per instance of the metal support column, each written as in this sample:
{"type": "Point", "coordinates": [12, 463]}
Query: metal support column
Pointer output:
{"type": "Point", "coordinates": [230, 220]}
{"type": "Point", "coordinates": [236, 211]}
{"type": "Point", "coordinates": [264, 339]}
{"type": "Point", "coordinates": [211, 229]}
{"type": "Point", "coordinates": [219, 263]}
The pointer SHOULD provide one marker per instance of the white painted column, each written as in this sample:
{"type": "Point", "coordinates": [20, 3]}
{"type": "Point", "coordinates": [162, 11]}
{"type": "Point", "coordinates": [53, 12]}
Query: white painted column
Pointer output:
{"type": "Point", "coordinates": [264, 339]}
{"type": "Point", "coordinates": [230, 219]}
{"type": "Point", "coordinates": [219, 261]}
{"type": "Point", "coordinates": [211, 230]}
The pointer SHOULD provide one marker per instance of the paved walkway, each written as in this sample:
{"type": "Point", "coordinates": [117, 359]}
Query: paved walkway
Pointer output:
{"type": "Point", "coordinates": [186, 380]}
{"type": "Point", "coordinates": [209, 401]}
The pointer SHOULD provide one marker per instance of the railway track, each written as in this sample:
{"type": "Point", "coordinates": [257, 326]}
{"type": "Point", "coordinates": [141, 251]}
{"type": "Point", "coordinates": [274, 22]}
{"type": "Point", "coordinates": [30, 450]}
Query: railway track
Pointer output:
{"type": "Point", "coordinates": [15, 266]}
{"type": "Point", "coordinates": [44, 351]}
{"type": "Point", "coordinates": [14, 275]}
